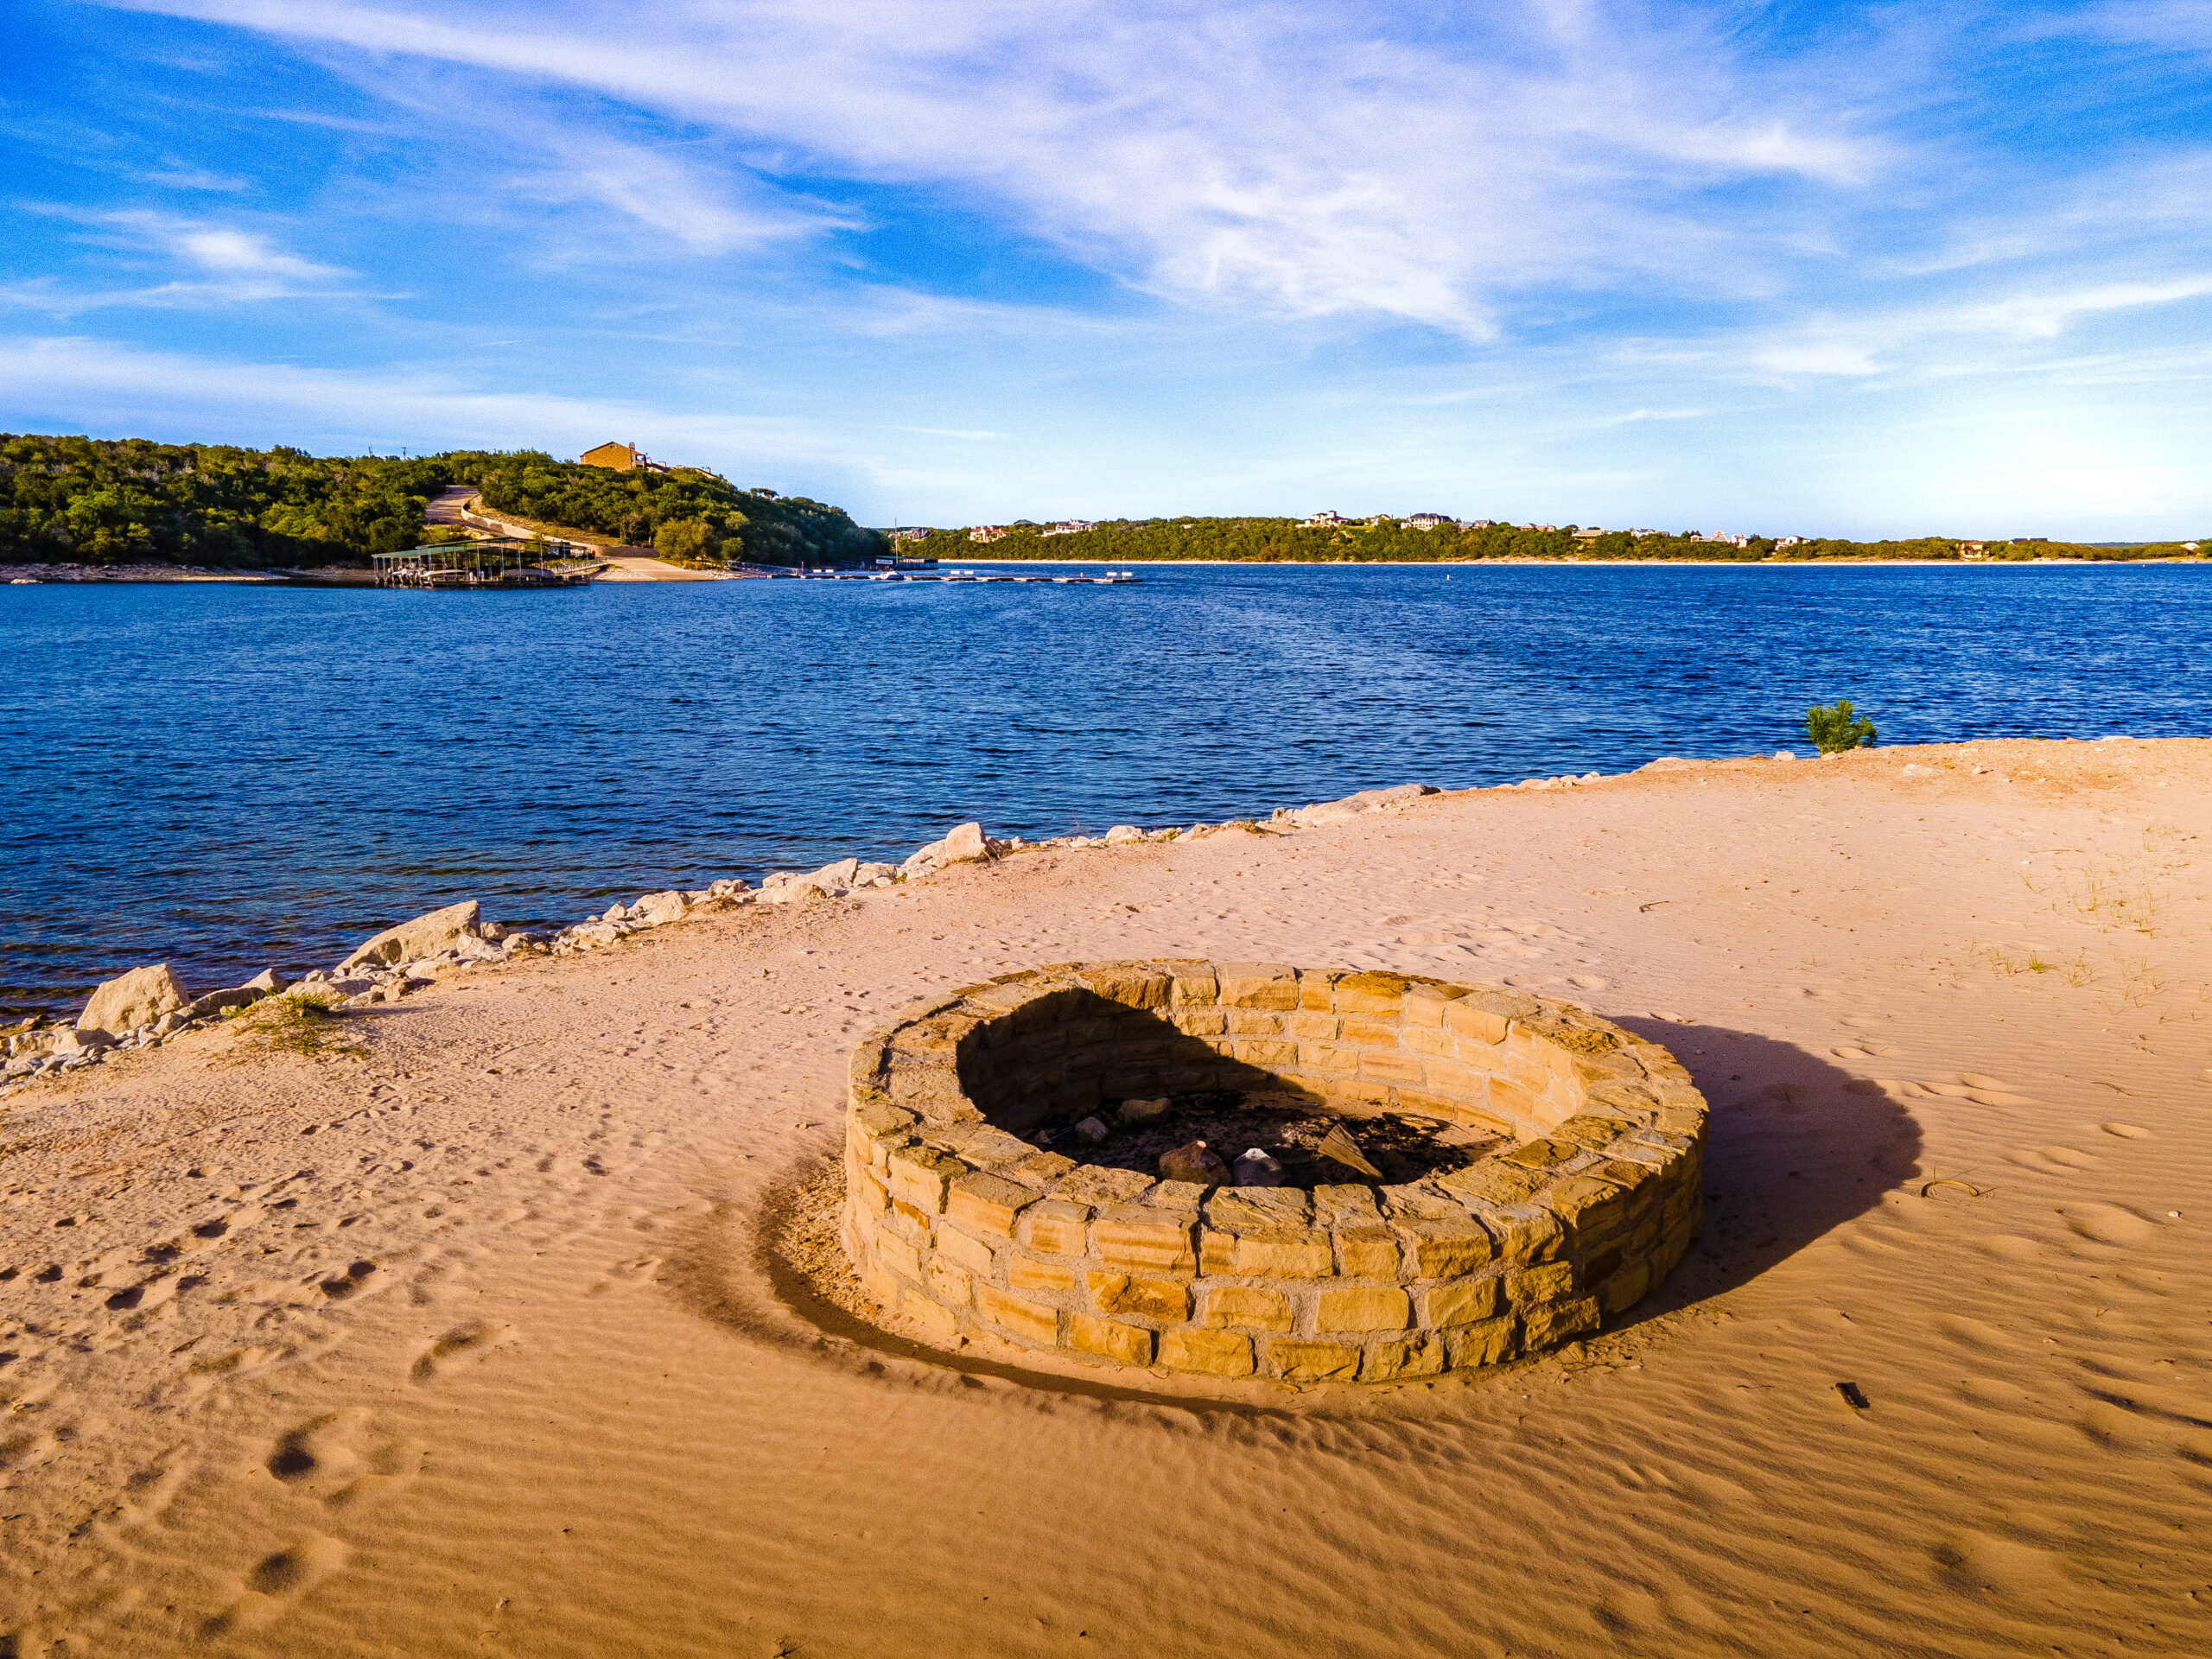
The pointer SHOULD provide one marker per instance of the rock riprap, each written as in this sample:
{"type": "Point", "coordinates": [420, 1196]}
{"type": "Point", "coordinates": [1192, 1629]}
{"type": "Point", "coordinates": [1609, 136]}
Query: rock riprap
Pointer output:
{"type": "Point", "coordinates": [958, 1222]}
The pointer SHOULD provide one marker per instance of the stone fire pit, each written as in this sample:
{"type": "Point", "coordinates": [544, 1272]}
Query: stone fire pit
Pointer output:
{"type": "Point", "coordinates": [959, 1220]}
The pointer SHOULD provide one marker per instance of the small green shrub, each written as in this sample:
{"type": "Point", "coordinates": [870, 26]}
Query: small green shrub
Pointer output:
{"type": "Point", "coordinates": [1834, 730]}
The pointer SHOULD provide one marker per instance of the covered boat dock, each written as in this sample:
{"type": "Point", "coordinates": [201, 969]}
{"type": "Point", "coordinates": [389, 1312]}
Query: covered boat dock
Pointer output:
{"type": "Point", "coordinates": [473, 565]}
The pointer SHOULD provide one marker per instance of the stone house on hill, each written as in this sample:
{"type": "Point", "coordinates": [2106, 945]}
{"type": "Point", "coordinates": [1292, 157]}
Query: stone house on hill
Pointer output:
{"type": "Point", "coordinates": [621, 458]}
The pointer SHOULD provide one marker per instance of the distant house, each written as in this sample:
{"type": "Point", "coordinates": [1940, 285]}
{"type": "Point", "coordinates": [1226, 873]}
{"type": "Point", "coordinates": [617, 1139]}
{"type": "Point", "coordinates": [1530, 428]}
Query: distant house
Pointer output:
{"type": "Point", "coordinates": [1974, 550]}
{"type": "Point", "coordinates": [1590, 534]}
{"type": "Point", "coordinates": [621, 458]}
{"type": "Point", "coordinates": [989, 532]}
{"type": "Point", "coordinates": [1726, 539]}
{"type": "Point", "coordinates": [1068, 527]}
{"type": "Point", "coordinates": [1480, 524]}
{"type": "Point", "coordinates": [1540, 527]}
{"type": "Point", "coordinates": [1790, 541]}
{"type": "Point", "coordinates": [1324, 520]}
{"type": "Point", "coordinates": [1431, 521]}
{"type": "Point", "coordinates": [912, 533]}
{"type": "Point", "coordinates": [1641, 533]}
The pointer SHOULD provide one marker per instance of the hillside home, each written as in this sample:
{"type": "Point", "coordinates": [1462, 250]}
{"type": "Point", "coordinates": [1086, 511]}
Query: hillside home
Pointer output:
{"type": "Point", "coordinates": [1431, 521]}
{"type": "Point", "coordinates": [1324, 520]}
{"type": "Point", "coordinates": [621, 458]}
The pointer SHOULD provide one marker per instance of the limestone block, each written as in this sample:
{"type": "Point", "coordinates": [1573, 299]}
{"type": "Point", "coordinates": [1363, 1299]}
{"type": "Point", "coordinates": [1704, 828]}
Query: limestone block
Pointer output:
{"type": "Point", "coordinates": [1556, 1322]}
{"type": "Point", "coordinates": [1543, 1284]}
{"type": "Point", "coordinates": [1248, 1306]}
{"type": "Point", "coordinates": [940, 1323]}
{"type": "Point", "coordinates": [1367, 1252]}
{"type": "Point", "coordinates": [1185, 1196]}
{"type": "Point", "coordinates": [1252, 1022]}
{"type": "Point", "coordinates": [1258, 1206]}
{"type": "Point", "coordinates": [1145, 1244]}
{"type": "Point", "coordinates": [1446, 1248]}
{"type": "Point", "coordinates": [1404, 1356]}
{"type": "Point", "coordinates": [1092, 1184]}
{"type": "Point", "coordinates": [1264, 1050]}
{"type": "Point", "coordinates": [1463, 1303]}
{"type": "Point", "coordinates": [947, 1281]}
{"type": "Point", "coordinates": [1494, 1180]}
{"type": "Point", "coordinates": [1028, 1273]}
{"type": "Point", "coordinates": [921, 1176]}
{"type": "Point", "coordinates": [1364, 1307]}
{"type": "Point", "coordinates": [1218, 1353]}
{"type": "Point", "coordinates": [1132, 986]}
{"type": "Point", "coordinates": [1284, 1254]}
{"type": "Point", "coordinates": [1369, 1031]}
{"type": "Point", "coordinates": [1203, 1022]}
{"type": "Point", "coordinates": [1391, 1067]}
{"type": "Point", "coordinates": [1543, 1154]}
{"type": "Point", "coordinates": [1195, 988]}
{"type": "Point", "coordinates": [1037, 1321]}
{"type": "Point", "coordinates": [970, 1253]}
{"type": "Point", "coordinates": [1624, 1286]}
{"type": "Point", "coordinates": [130, 1000]}
{"type": "Point", "coordinates": [1131, 1344]}
{"type": "Point", "coordinates": [879, 1280]}
{"type": "Point", "coordinates": [1372, 993]}
{"type": "Point", "coordinates": [1258, 985]}
{"type": "Point", "coordinates": [1586, 1203]}
{"type": "Point", "coordinates": [1166, 1299]}
{"type": "Point", "coordinates": [1056, 1227]}
{"type": "Point", "coordinates": [1317, 990]}
{"type": "Point", "coordinates": [1488, 1343]}
{"type": "Point", "coordinates": [901, 1257]}
{"type": "Point", "coordinates": [1346, 1203]}
{"type": "Point", "coordinates": [989, 1204]}
{"type": "Point", "coordinates": [1525, 1232]}
{"type": "Point", "coordinates": [1313, 1362]}
{"type": "Point", "coordinates": [1469, 1018]}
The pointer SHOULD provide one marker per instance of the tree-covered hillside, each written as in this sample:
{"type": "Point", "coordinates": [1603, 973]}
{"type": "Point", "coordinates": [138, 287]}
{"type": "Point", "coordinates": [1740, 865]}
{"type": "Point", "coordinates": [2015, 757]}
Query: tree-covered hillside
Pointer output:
{"type": "Point", "coordinates": [129, 501]}
{"type": "Point", "coordinates": [1267, 540]}
{"type": "Point", "coordinates": [687, 515]}
{"type": "Point", "coordinates": [68, 500]}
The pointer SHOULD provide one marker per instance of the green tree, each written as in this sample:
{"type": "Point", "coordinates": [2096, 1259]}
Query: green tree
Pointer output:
{"type": "Point", "coordinates": [1834, 730]}
{"type": "Point", "coordinates": [681, 541]}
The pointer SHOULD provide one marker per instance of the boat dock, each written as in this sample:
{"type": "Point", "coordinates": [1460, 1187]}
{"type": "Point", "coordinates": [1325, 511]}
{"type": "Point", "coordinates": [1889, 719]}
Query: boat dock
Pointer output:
{"type": "Point", "coordinates": [478, 566]}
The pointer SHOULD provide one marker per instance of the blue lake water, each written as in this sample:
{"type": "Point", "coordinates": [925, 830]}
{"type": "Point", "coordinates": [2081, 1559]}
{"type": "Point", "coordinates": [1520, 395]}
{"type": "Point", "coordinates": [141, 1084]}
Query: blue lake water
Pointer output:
{"type": "Point", "coordinates": [229, 777]}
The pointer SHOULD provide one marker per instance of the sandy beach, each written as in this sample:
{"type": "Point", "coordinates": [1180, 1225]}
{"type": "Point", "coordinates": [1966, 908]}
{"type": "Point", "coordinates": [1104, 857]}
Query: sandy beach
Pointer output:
{"type": "Point", "coordinates": [469, 1333]}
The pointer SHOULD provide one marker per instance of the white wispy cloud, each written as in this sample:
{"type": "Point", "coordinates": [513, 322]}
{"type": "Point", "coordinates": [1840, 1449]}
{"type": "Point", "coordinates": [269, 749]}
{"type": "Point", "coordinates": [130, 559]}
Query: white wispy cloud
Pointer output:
{"type": "Point", "coordinates": [208, 263]}
{"type": "Point", "coordinates": [1307, 163]}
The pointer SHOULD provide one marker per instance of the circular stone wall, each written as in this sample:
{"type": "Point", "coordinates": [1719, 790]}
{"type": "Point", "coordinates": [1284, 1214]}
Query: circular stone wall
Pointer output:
{"type": "Point", "coordinates": [958, 1223]}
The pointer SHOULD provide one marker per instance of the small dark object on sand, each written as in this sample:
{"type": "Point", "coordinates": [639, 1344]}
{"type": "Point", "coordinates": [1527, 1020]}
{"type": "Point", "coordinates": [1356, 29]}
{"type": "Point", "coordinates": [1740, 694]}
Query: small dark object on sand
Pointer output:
{"type": "Point", "coordinates": [1852, 1396]}
{"type": "Point", "coordinates": [1196, 1162]}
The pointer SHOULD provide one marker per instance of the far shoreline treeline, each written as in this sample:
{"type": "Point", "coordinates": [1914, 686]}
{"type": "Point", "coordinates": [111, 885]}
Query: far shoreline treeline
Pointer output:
{"type": "Point", "coordinates": [1387, 540]}
{"type": "Point", "coordinates": [115, 502]}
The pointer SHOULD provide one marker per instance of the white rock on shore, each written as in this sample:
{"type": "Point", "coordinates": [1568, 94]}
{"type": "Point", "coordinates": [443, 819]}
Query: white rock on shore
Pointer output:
{"type": "Point", "coordinates": [131, 1000]}
{"type": "Point", "coordinates": [423, 937]}
{"type": "Point", "coordinates": [1352, 806]}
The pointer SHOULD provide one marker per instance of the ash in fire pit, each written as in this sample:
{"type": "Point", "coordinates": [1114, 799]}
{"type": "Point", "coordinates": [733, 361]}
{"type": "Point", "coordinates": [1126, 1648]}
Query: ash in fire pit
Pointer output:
{"type": "Point", "coordinates": [1399, 1146]}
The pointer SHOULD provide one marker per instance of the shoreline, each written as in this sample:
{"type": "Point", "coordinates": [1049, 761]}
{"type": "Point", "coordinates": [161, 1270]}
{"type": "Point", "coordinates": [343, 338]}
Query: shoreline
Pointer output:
{"type": "Point", "coordinates": [851, 874]}
{"type": "Point", "coordinates": [354, 577]}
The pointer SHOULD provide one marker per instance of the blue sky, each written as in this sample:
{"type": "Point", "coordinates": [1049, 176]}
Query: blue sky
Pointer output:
{"type": "Point", "coordinates": [1810, 268]}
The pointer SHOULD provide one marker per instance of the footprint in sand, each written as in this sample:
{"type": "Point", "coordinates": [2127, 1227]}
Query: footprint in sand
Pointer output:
{"type": "Point", "coordinates": [474, 1340]}
{"type": "Point", "coordinates": [1977, 1563]}
{"type": "Point", "coordinates": [2051, 1161]}
{"type": "Point", "coordinates": [1588, 982]}
{"type": "Point", "coordinates": [2108, 1223]}
{"type": "Point", "coordinates": [275, 1582]}
{"type": "Point", "coordinates": [2125, 1131]}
